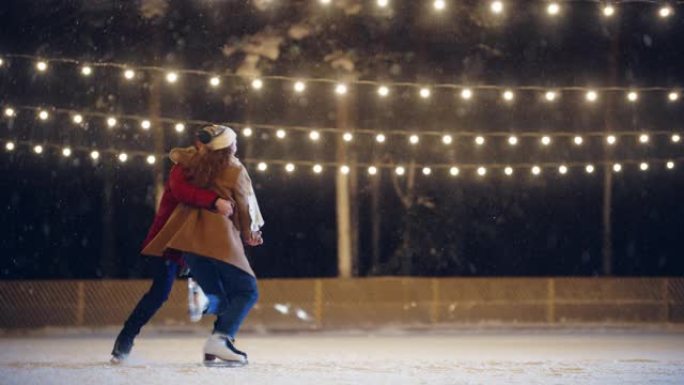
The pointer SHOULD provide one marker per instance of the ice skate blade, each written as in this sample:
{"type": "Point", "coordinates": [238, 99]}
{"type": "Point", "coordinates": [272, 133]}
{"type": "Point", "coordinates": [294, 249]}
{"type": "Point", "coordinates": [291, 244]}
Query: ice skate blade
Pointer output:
{"type": "Point", "coordinates": [216, 362]}
{"type": "Point", "coordinates": [117, 360]}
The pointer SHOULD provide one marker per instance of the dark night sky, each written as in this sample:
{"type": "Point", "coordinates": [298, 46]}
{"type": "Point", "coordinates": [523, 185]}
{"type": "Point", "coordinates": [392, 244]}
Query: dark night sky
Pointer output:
{"type": "Point", "coordinates": [52, 208]}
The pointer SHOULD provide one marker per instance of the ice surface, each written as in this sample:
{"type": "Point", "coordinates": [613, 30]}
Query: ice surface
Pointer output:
{"type": "Point", "coordinates": [434, 357]}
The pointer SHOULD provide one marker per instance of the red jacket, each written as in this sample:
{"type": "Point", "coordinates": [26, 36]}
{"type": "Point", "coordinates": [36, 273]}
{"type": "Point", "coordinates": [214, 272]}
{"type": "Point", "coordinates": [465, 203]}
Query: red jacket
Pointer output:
{"type": "Point", "coordinates": [178, 190]}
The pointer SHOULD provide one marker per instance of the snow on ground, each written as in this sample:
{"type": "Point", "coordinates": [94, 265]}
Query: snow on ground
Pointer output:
{"type": "Point", "coordinates": [507, 356]}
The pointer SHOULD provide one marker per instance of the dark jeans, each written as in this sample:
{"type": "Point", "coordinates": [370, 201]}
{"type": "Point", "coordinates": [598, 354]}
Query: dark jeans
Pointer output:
{"type": "Point", "coordinates": [165, 275]}
{"type": "Point", "coordinates": [232, 290]}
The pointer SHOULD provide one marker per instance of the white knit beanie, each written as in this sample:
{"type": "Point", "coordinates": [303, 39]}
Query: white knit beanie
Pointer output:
{"type": "Point", "coordinates": [221, 137]}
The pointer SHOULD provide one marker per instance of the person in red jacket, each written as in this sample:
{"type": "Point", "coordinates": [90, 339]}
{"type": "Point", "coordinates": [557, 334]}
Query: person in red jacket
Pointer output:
{"type": "Point", "coordinates": [177, 190]}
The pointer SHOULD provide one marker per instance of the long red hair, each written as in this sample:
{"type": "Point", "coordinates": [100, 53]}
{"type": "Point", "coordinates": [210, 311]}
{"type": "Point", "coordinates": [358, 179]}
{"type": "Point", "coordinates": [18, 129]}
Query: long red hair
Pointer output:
{"type": "Point", "coordinates": [206, 165]}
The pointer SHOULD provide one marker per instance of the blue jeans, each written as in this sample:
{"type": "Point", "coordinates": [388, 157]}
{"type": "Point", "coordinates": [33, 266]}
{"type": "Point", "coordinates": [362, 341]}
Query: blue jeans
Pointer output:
{"type": "Point", "coordinates": [149, 304]}
{"type": "Point", "coordinates": [231, 291]}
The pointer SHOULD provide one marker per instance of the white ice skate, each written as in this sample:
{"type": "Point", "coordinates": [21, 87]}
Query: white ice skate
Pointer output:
{"type": "Point", "coordinates": [219, 351]}
{"type": "Point", "coordinates": [197, 301]}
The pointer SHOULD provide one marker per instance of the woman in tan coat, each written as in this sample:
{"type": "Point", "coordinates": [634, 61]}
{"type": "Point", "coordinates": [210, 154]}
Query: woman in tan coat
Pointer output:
{"type": "Point", "coordinates": [212, 244]}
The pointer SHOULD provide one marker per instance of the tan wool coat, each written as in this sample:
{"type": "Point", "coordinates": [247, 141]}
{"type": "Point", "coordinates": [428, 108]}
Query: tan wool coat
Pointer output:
{"type": "Point", "coordinates": [206, 233]}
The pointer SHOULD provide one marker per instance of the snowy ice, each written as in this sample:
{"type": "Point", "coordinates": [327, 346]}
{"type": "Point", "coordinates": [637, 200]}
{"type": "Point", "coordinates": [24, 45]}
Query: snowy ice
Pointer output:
{"type": "Point", "coordinates": [478, 356]}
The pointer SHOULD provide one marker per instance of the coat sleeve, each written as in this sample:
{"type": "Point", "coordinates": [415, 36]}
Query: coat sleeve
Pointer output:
{"type": "Point", "coordinates": [242, 190]}
{"type": "Point", "coordinates": [188, 193]}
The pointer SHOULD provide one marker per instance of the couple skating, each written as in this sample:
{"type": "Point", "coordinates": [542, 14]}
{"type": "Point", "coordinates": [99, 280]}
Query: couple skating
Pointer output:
{"type": "Point", "coordinates": [206, 213]}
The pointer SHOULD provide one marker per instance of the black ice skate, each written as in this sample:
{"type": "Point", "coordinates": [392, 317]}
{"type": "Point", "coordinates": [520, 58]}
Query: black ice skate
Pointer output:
{"type": "Point", "coordinates": [219, 351]}
{"type": "Point", "coordinates": [122, 348]}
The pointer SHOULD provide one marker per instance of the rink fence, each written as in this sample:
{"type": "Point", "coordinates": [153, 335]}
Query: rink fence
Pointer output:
{"type": "Point", "coordinates": [331, 304]}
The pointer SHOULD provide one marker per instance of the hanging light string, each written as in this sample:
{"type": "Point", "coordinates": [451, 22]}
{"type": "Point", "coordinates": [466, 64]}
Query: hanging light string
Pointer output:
{"type": "Point", "coordinates": [79, 117]}
{"type": "Point", "coordinates": [466, 92]}
{"type": "Point", "coordinates": [290, 166]}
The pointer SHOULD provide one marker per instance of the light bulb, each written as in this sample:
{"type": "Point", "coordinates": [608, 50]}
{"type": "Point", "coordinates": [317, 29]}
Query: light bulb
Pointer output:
{"type": "Point", "coordinates": [94, 155]}
{"type": "Point", "coordinates": [427, 171]}
{"type": "Point", "coordinates": [382, 3]}
{"type": "Point", "coordinates": [151, 159]}
{"type": "Point", "coordinates": [589, 169]}
{"type": "Point", "coordinates": [172, 77]}
{"type": "Point", "coordinates": [563, 169]}
{"type": "Point", "coordinates": [545, 140]}
{"type": "Point", "coordinates": [179, 127]}
{"type": "Point", "coordinates": [617, 167]}
{"type": "Point", "coordinates": [247, 132]}
{"type": "Point", "coordinates": [66, 152]}
{"type": "Point", "coordinates": [481, 171]}
{"type": "Point", "coordinates": [425, 93]}
{"type": "Point", "coordinates": [111, 121]}
{"type": "Point", "coordinates": [513, 140]}
{"type": "Point", "coordinates": [673, 96]}
{"type": "Point", "coordinates": [262, 166]}
{"type": "Point", "coordinates": [400, 170]}
{"type": "Point", "coordinates": [280, 134]}
{"type": "Point", "coordinates": [578, 140]}
{"type": "Point", "coordinates": [299, 87]}
{"type": "Point", "coordinates": [314, 136]}
{"type": "Point", "coordinates": [643, 166]}
{"type": "Point", "coordinates": [591, 96]}
{"type": "Point", "coordinates": [670, 165]}
{"type": "Point", "coordinates": [129, 74]}
{"type": "Point", "coordinates": [9, 112]}
{"type": "Point", "coordinates": [145, 124]}
{"type": "Point", "coordinates": [372, 170]}
{"type": "Point", "coordinates": [536, 170]}
{"type": "Point", "coordinates": [553, 9]}
{"type": "Point", "coordinates": [414, 139]}
{"type": "Point", "coordinates": [317, 168]}
{"type": "Point", "coordinates": [78, 119]}
{"type": "Point", "coordinates": [643, 138]}
{"type": "Point", "coordinates": [38, 149]}
{"type": "Point", "coordinates": [86, 71]}
{"type": "Point", "coordinates": [508, 95]}
{"type": "Point", "coordinates": [611, 139]}
{"type": "Point", "coordinates": [341, 89]}
{"type": "Point", "coordinates": [466, 94]}
{"type": "Point", "coordinates": [123, 157]}
{"type": "Point", "coordinates": [41, 66]}
{"type": "Point", "coordinates": [383, 91]}
{"type": "Point", "coordinates": [497, 7]}
{"type": "Point", "coordinates": [289, 167]}
{"type": "Point", "coordinates": [215, 81]}
{"type": "Point", "coordinates": [380, 138]}
{"type": "Point", "coordinates": [344, 169]}
{"type": "Point", "coordinates": [439, 5]}
{"type": "Point", "coordinates": [454, 171]}
{"type": "Point", "coordinates": [608, 10]}
{"type": "Point", "coordinates": [676, 138]}
{"type": "Point", "coordinates": [257, 84]}
{"type": "Point", "coordinates": [480, 140]}
{"type": "Point", "coordinates": [43, 115]}
{"type": "Point", "coordinates": [665, 11]}
{"type": "Point", "coordinates": [632, 96]}
{"type": "Point", "coordinates": [348, 137]}
{"type": "Point", "coordinates": [324, 2]}
{"type": "Point", "coordinates": [508, 170]}
{"type": "Point", "coordinates": [550, 96]}
{"type": "Point", "coordinates": [447, 139]}
{"type": "Point", "coordinates": [9, 146]}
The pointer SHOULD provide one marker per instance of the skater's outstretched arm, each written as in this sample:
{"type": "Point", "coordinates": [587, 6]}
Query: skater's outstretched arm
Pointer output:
{"type": "Point", "coordinates": [192, 195]}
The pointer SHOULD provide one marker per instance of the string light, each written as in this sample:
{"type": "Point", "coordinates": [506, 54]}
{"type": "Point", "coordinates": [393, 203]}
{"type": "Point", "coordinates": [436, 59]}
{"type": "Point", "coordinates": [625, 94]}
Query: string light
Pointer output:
{"type": "Point", "coordinates": [348, 137]}
{"type": "Point", "coordinates": [497, 7]}
{"type": "Point", "coordinates": [289, 167]}
{"type": "Point", "coordinates": [341, 89]}
{"type": "Point", "coordinates": [617, 167]}
{"type": "Point", "coordinates": [314, 136]}
{"type": "Point", "coordinates": [247, 132]}
{"type": "Point", "coordinates": [94, 155]}
{"type": "Point", "coordinates": [172, 77]}
{"type": "Point", "coordinates": [553, 9]}
{"type": "Point", "coordinates": [545, 140]}
{"type": "Point", "coordinates": [643, 166]}
{"type": "Point", "coordinates": [454, 171]}
{"type": "Point", "coordinates": [145, 124]}
{"type": "Point", "coordinates": [372, 170]}
{"type": "Point", "coordinates": [325, 2]}
{"type": "Point", "coordinates": [111, 121]}
{"type": "Point", "coordinates": [2, 62]}
{"type": "Point", "coordinates": [676, 138]}
{"type": "Point", "coordinates": [427, 171]}
{"type": "Point", "coordinates": [508, 95]}
{"type": "Point", "coordinates": [611, 139]}
{"type": "Point", "coordinates": [280, 134]}
{"type": "Point", "coordinates": [670, 165]}
{"type": "Point", "coordinates": [86, 71]}
{"type": "Point", "coordinates": [257, 84]}
{"type": "Point", "coordinates": [589, 169]}
{"type": "Point", "coordinates": [608, 10]}
{"type": "Point", "coordinates": [414, 139]}
{"type": "Point", "coordinates": [400, 170]}
{"type": "Point", "coordinates": [536, 170]}
{"type": "Point", "coordinates": [38, 149]}
{"type": "Point", "coordinates": [447, 139]}
{"type": "Point", "coordinates": [425, 93]}
{"type": "Point", "coordinates": [439, 5]}
{"type": "Point", "coordinates": [673, 96]}
{"type": "Point", "coordinates": [262, 166]}
{"type": "Point", "coordinates": [123, 157]}
{"type": "Point", "coordinates": [344, 169]}
{"type": "Point", "coordinates": [578, 140]}
{"type": "Point", "coordinates": [151, 159]}
{"type": "Point", "coordinates": [179, 127]}
{"type": "Point", "coordinates": [41, 66]}
{"type": "Point", "coordinates": [481, 171]}
{"type": "Point", "coordinates": [9, 146]}
{"type": "Point", "coordinates": [480, 140]}
{"type": "Point", "coordinates": [563, 169]}
{"type": "Point", "coordinates": [380, 138]}
{"type": "Point", "coordinates": [66, 152]}
{"type": "Point", "coordinates": [9, 112]}
{"type": "Point", "coordinates": [665, 11]}
{"type": "Point", "coordinates": [43, 115]}
{"type": "Point", "coordinates": [382, 3]}
{"type": "Point", "coordinates": [550, 96]}
{"type": "Point", "coordinates": [591, 96]}
{"type": "Point", "coordinates": [643, 138]}
{"type": "Point", "coordinates": [317, 168]}
{"type": "Point", "coordinates": [508, 170]}
{"type": "Point", "coordinates": [513, 140]}
{"type": "Point", "coordinates": [78, 119]}
{"type": "Point", "coordinates": [632, 96]}
{"type": "Point", "coordinates": [466, 94]}
{"type": "Point", "coordinates": [214, 81]}
{"type": "Point", "coordinates": [129, 74]}
{"type": "Point", "coordinates": [299, 86]}
{"type": "Point", "coordinates": [383, 91]}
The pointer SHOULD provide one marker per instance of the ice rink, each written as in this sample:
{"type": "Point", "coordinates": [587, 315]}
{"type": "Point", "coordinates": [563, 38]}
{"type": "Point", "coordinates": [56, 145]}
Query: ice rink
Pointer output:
{"type": "Point", "coordinates": [468, 356]}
